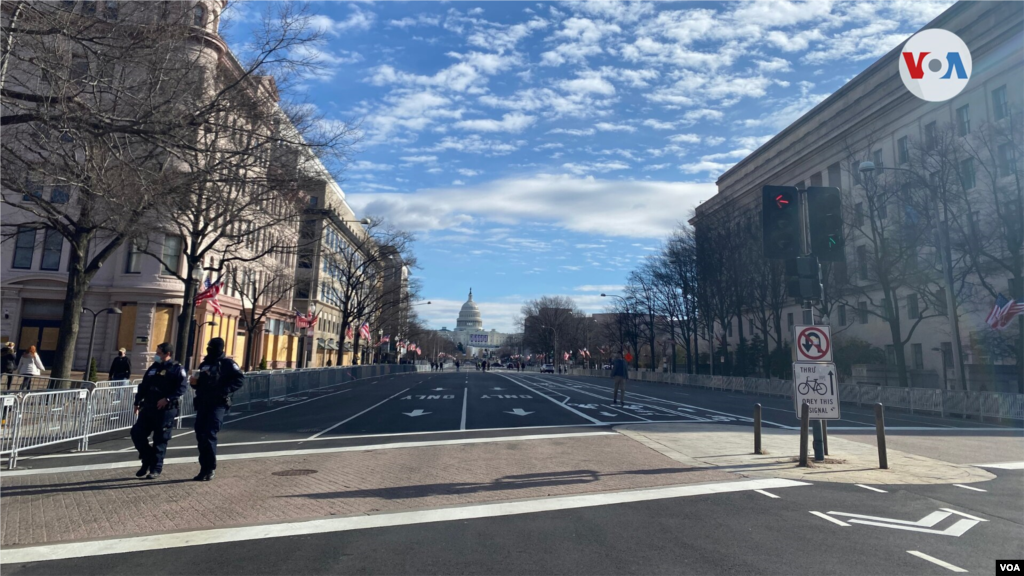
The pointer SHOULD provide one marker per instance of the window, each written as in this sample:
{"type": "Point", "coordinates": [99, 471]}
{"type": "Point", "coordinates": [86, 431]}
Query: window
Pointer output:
{"type": "Point", "coordinates": [816, 179]}
{"type": "Point", "coordinates": [885, 308]}
{"type": "Point", "coordinates": [171, 255]}
{"type": "Point", "coordinates": [913, 312]}
{"type": "Point", "coordinates": [79, 68]}
{"type": "Point", "coordinates": [33, 189]}
{"type": "Point", "coordinates": [750, 325]}
{"type": "Point", "coordinates": [876, 157]}
{"type": "Point", "coordinates": [89, 7]}
{"type": "Point", "coordinates": [967, 173]}
{"type": "Point", "coordinates": [940, 301]}
{"type": "Point", "coordinates": [858, 214]}
{"type": "Point", "coordinates": [862, 312]}
{"type": "Point", "coordinates": [312, 201]}
{"type": "Point", "coordinates": [789, 320]}
{"type": "Point", "coordinates": [24, 247]}
{"type": "Point", "coordinates": [53, 244]}
{"type": "Point", "coordinates": [59, 195]}
{"type": "Point", "coordinates": [929, 135]}
{"type": "Point", "coordinates": [918, 354]}
{"type": "Point", "coordinates": [840, 273]}
{"type": "Point", "coordinates": [947, 354]}
{"type": "Point", "coordinates": [1005, 159]}
{"type": "Point", "coordinates": [133, 263]}
{"type": "Point", "coordinates": [862, 262]}
{"type": "Point", "coordinates": [903, 150]}
{"type": "Point", "coordinates": [728, 329]}
{"type": "Point", "coordinates": [963, 120]}
{"type": "Point", "coordinates": [883, 209]}
{"type": "Point", "coordinates": [890, 354]}
{"type": "Point", "coordinates": [842, 315]}
{"type": "Point", "coordinates": [198, 15]}
{"type": "Point", "coordinates": [1000, 109]}
{"type": "Point", "coordinates": [808, 317]}
{"type": "Point", "coordinates": [110, 10]}
{"type": "Point", "coordinates": [835, 175]}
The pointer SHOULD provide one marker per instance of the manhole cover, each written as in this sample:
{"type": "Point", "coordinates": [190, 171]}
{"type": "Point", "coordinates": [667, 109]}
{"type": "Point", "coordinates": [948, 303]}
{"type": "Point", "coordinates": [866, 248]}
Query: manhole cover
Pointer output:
{"type": "Point", "coordinates": [294, 472]}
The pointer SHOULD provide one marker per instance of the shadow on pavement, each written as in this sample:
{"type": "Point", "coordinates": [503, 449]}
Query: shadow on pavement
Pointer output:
{"type": "Point", "coordinates": [515, 482]}
{"type": "Point", "coordinates": [87, 486]}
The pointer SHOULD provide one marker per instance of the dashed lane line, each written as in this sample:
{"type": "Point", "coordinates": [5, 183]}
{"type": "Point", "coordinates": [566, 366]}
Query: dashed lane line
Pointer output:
{"type": "Point", "coordinates": [969, 487]}
{"type": "Point", "coordinates": [872, 488]}
{"type": "Point", "coordinates": [322, 432]}
{"type": "Point", "coordinates": [553, 401]}
{"type": "Point", "coordinates": [935, 560]}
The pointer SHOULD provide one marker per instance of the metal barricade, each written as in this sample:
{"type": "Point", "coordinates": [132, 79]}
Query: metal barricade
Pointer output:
{"type": "Point", "coordinates": [108, 383]}
{"type": "Point", "coordinates": [923, 399]}
{"type": "Point", "coordinates": [110, 408]}
{"type": "Point", "coordinates": [10, 406]}
{"type": "Point", "coordinates": [895, 397]}
{"type": "Point", "coordinates": [48, 418]}
{"type": "Point", "coordinates": [19, 383]}
{"type": "Point", "coordinates": [869, 394]}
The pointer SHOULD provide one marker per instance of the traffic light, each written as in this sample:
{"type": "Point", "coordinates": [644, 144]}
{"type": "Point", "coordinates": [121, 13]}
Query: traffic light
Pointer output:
{"type": "Point", "coordinates": [803, 278]}
{"type": "Point", "coordinates": [780, 222]}
{"type": "Point", "coordinates": [825, 215]}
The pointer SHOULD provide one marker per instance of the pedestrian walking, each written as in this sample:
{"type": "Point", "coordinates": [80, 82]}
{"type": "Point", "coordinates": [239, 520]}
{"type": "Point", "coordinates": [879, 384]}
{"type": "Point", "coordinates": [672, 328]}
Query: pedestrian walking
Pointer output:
{"type": "Point", "coordinates": [156, 404]}
{"type": "Point", "coordinates": [29, 367]}
{"type": "Point", "coordinates": [8, 363]}
{"type": "Point", "coordinates": [329, 363]}
{"type": "Point", "coordinates": [620, 373]}
{"type": "Point", "coordinates": [219, 377]}
{"type": "Point", "coordinates": [121, 367]}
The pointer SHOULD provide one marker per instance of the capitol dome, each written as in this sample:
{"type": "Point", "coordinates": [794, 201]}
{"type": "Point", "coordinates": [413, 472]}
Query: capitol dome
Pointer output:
{"type": "Point", "coordinates": [469, 316]}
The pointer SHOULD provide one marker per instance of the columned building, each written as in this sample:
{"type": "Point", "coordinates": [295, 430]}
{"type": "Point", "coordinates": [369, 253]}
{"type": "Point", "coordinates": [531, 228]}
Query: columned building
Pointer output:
{"type": "Point", "coordinates": [469, 330]}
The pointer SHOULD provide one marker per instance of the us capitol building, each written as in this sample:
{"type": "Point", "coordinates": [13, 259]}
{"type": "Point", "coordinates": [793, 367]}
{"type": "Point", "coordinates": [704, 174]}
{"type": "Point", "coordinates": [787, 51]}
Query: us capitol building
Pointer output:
{"type": "Point", "coordinates": [469, 329]}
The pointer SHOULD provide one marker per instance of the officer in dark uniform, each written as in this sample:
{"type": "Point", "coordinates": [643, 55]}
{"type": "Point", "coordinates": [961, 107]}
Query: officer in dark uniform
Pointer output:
{"type": "Point", "coordinates": [156, 404]}
{"type": "Point", "coordinates": [218, 378]}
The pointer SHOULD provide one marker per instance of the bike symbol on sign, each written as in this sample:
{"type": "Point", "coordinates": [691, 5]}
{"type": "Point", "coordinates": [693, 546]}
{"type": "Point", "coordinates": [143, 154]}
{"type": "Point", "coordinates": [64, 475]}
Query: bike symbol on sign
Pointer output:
{"type": "Point", "coordinates": [812, 384]}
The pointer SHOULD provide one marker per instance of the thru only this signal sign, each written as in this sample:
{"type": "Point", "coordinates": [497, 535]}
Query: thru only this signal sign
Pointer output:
{"type": "Point", "coordinates": [813, 343]}
{"type": "Point", "coordinates": [817, 386]}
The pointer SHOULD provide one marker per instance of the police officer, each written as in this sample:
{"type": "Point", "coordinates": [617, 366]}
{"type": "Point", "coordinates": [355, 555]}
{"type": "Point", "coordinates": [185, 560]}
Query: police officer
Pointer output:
{"type": "Point", "coordinates": [218, 377]}
{"type": "Point", "coordinates": [156, 404]}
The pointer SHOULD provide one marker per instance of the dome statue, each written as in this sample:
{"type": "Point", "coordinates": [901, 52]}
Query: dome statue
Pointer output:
{"type": "Point", "coordinates": [469, 316]}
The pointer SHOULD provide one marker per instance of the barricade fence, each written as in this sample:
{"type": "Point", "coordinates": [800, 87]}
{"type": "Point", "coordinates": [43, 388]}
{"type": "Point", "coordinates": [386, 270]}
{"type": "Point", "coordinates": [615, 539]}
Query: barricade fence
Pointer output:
{"type": "Point", "coordinates": [32, 418]}
{"type": "Point", "coordinates": [925, 400]}
{"type": "Point", "coordinates": [19, 383]}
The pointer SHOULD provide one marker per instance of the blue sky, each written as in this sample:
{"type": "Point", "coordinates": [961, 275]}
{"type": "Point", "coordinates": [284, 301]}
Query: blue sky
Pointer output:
{"type": "Point", "coordinates": [547, 148]}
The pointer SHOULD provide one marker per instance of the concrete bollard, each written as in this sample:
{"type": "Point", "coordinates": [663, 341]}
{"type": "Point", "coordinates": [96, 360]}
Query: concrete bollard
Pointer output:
{"type": "Point", "coordinates": [757, 428]}
{"type": "Point", "coordinates": [805, 418]}
{"type": "Point", "coordinates": [883, 459]}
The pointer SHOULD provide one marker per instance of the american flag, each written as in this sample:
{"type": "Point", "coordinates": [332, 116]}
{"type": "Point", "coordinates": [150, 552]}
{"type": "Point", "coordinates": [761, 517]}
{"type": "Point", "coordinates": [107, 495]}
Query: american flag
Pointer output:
{"type": "Point", "coordinates": [210, 292]}
{"type": "Point", "coordinates": [364, 331]}
{"type": "Point", "coordinates": [384, 340]}
{"type": "Point", "coordinates": [348, 333]}
{"type": "Point", "coordinates": [1003, 312]}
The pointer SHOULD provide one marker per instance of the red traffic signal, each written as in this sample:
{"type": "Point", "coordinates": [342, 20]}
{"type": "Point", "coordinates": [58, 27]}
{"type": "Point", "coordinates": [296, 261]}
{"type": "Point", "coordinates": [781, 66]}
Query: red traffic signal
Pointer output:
{"type": "Point", "coordinates": [780, 222]}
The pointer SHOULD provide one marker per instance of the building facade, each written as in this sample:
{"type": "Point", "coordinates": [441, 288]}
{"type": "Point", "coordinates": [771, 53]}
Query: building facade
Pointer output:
{"type": "Point", "coordinates": [875, 118]}
{"type": "Point", "coordinates": [469, 330]}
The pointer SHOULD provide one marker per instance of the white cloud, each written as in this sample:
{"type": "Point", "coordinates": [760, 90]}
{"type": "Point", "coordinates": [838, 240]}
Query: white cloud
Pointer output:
{"type": "Point", "coordinates": [568, 202]}
{"type": "Point", "coordinates": [573, 131]}
{"type": "Point", "coordinates": [588, 167]}
{"type": "Point", "coordinates": [581, 38]}
{"type": "Point", "coordinates": [421, 20]}
{"type": "Point", "coordinates": [474, 144]}
{"type": "Point", "coordinates": [656, 166]}
{"type": "Point", "coordinates": [610, 127]}
{"type": "Point", "coordinates": [359, 19]}
{"type": "Point", "coordinates": [588, 82]}
{"type": "Point", "coordinates": [468, 172]}
{"type": "Point", "coordinates": [713, 140]}
{"type": "Point", "coordinates": [685, 139]}
{"type": "Point", "coordinates": [512, 122]}
{"type": "Point", "coordinates": [457, 183]}
{"type": "Point", "coordinates": [659, 125]}
{"type": "Point", "coordinates": [550, 145]}
{"type": "Point", "coordinates": [773, 64]}
{"type": "Point", "coordinates": [420, 159]}
{"type": "Point", "coordinates": [366, 165]}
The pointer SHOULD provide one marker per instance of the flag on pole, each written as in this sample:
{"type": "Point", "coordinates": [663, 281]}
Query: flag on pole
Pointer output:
{"type": "Point", "coordinates": [210, 293]}
{"type": "Point", "coordinates": [566, 355]}
{"type": "Point", "coordinates": [364, 331]}
{"type": "Point", "coordinates": [348, 333]}
{"type": "Point", "coordinates": [1003, 312]}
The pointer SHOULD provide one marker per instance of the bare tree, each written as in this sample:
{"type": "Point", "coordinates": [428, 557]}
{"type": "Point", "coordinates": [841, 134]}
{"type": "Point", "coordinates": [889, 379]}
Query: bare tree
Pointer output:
{"type": "Point", "coordinates": [262, 285]}
{"type": "Point", "coordinates": [551, 323]}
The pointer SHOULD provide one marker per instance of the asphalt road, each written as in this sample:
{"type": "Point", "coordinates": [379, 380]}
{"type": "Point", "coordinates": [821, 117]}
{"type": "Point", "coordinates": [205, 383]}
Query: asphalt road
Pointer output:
{"type": "Point", "coordinates": [467, 404]}
{"type": "Point", "coordinates": [727, 533]}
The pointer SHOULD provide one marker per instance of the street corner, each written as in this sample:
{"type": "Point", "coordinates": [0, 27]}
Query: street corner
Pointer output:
{"type": "Point", "coordinates": [730, 449]}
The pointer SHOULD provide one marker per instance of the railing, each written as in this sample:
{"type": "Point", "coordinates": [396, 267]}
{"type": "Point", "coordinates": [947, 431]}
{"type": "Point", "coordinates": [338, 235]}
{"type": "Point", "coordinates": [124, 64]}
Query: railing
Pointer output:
{"type": "Point", "coordinates": [32, 419]}
{"type": "Point", "coordinates": [19, 383]}
{"type": "Point", "coordinates": [942, 402]}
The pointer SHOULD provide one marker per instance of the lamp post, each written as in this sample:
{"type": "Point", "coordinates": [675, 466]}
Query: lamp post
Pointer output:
{"type": "Point", "coordinates": [197, 276]}
{"type": "Point", "coordinates": [868, 167]}
{"type": "Point", "coordinates": [92, 333]}
{"type": "Point", "coordinates": [626, 304]}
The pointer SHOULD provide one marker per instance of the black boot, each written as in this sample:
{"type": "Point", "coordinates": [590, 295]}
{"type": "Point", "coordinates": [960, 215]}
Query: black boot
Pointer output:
{"type": "Point", "coordinates": [142, 471]}
{"type": "Point", "coordinates": [152, 476]}
{"type": "Point", "coordinates": [209, 476]}
{"type": "Point", "coordinates": [201, 476]}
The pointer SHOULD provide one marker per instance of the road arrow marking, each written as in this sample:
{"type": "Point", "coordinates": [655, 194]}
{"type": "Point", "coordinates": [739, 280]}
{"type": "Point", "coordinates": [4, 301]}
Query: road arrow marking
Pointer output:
{"type": "Point", "coordinates": [519, 412]}
{"type": "Point", "coordinates": [606, 414]}
{"type": "Point", "coordinates": [497, 388]}
{"type": "Point", "coordinates": [416, 412]}
{"type": "Point", "coordinates": [829, 518]}
{"type": "Point", "coordinates": [958, 528]}
{"type": "Point", "coordinates": [970, 488]}
{"type": "Point", "coordinates": [435, 389]}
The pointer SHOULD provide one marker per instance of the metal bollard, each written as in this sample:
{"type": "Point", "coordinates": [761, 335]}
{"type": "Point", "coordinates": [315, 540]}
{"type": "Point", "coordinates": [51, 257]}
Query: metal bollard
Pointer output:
{"type": "Point", "coordinates": [805, 418]}
{"type": "Point", "coordinates": [757, 428]}
{"type": "Point", "coordinates": [819, 447]}
{"type": "Point", "coordinates": [824, 435]}
{"type": "Point", "coordinates": [883, 460]}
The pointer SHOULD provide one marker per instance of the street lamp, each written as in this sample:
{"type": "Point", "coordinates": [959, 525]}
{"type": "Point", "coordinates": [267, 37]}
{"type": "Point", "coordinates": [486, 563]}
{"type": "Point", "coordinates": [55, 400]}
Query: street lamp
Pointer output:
{"type": "Point", "coordinates": [867, 167]}
{"type": "Point", "coordinates": [92, 333]}
{"type": "Point", "coordinates": [364, 221]}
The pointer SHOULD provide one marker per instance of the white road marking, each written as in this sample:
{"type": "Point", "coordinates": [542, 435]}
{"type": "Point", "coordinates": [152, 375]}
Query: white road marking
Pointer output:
{"type": "Point", "coordinates": [965, 515]}
{"type": "Point", "coordinates": [872, 488]}
{"type": "Point", "coordinates": [829, 518]}
{"type": "Point", "coordinates": [969, 487]}
{"type": "Point", "coordinates": [935, 560]}
{"type": "Point", "coordinates": [318, 434]}
{"type": "Point", "coordinates": [768, 494]}
{"type": "Point", "coordinates": [553, 401]}
{"type": "Point", "coordinates": [361, 522]}
{"type": "Point", "coordinates": [620, 411]}
{"type": "Point", "coordinates": [926, 522]}
{"type": "Point", "coordinates": [465, 399]}
{"type": "Point", "coordinates": [1004, 466]}
{"type": "Point", "coordinates": [281, 453]}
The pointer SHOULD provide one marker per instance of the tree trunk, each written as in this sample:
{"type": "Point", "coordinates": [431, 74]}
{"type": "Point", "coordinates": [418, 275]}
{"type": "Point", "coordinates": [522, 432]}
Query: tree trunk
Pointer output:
{"type": "Point", "coordinates": [250, 343]}
{"type": "Point", "coordinates": [74, 298]}
{"type": "Point", "coordinates": [185, 318]}
{"type": "Point", "coordinates": [355, 348]}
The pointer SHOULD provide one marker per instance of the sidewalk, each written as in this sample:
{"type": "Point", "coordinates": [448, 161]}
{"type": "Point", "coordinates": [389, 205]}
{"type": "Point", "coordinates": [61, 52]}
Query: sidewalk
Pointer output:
{"type": "Point", "coordinates": [99, 504]}
{"type": "Point", "coordinates": [730, 448]}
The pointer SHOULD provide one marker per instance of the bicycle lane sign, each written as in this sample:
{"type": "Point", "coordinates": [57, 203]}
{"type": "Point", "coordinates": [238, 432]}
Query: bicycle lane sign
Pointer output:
{"type": "Point", "coordinates": [817, 385]}
{"type": "Point", "coordinates": [813, 344]}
